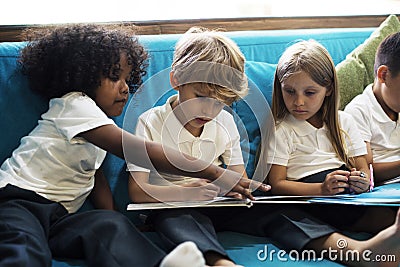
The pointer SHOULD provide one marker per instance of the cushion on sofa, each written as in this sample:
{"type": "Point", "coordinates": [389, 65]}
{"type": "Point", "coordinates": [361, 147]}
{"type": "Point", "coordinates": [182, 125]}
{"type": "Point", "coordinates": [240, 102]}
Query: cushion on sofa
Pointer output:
{"type": "Point", "coordinates": [20, 108]}
{"type": "Point", "coordinates": [254, 113]}
{"type": "Point", "coordinates": [357, 70]}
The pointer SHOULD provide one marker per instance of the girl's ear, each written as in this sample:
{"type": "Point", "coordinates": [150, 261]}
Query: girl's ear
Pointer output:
{"type": "Point", "coordinates": [329, 91]}
{"type": "Point", "coordinates": [173, 81]}
{"type": "Point", "coordinates": [381, 73]}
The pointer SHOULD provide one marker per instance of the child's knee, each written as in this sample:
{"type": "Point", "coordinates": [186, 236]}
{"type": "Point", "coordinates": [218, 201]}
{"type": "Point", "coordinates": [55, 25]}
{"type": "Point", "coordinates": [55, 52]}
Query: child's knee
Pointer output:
{"type": "Point", "coordinates": [107, 221]}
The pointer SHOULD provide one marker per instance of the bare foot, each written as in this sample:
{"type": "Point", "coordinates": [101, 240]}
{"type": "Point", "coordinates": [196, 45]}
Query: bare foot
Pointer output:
{"type": "Point", "coordinates": [384, 248]}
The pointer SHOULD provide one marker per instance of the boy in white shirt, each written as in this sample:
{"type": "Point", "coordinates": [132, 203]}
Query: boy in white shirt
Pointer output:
{"type": "Point", "coordinates": [376, 111]}
{"type": "Point", "coordinates": [208, 73]}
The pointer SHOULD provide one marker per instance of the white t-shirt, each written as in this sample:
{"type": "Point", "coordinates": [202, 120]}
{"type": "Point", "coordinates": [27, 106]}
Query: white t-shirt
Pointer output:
{"type": "Point", "coordinates": [375, 126]}
{"type": "Point", "coordinates": [306, 150]}
{"type": "Point", "coordinates": [218, 143]}
{"type": "Point", "coordinates": [52, 160]}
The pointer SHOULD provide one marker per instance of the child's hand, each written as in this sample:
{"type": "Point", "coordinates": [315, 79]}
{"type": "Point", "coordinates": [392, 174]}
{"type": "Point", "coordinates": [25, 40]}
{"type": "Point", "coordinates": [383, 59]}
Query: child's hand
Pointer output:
{"type": "Point", "coordinates": [234, 181]}
{"type": "Point", "coordinates": [200, 189]}
{"type": "Point", "coordinates": [358, 181]}
{"type": "Point", "coordinates": [335, 182]}
{"type": "Point", "coordinates": [246, 186]}
{"type": "Point", "coordinates": [235, 195]}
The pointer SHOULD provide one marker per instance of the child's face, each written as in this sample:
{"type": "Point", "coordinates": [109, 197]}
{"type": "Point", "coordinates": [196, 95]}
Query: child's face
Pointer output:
{"type": "Point", "coordinates": [391, 92]}
{"type": "Point", "coordinates": [198, 106]}
{"type": "Point", "coordinates": [111, 96]}
{"type": "Point", "coordinates": [303, 97]}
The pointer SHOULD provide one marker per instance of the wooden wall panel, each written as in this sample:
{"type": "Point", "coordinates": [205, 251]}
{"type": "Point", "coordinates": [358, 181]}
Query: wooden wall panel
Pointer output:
{"type": "Point", "coordinates": [11, 33]}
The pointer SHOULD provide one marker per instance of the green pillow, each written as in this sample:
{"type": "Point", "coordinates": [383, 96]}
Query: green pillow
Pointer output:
{"type": "Point", "coordinates": [357, 70]}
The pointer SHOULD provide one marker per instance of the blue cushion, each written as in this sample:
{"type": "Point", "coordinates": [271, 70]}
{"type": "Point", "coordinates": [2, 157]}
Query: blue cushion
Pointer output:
{"type": "Point", "coordinates": [20, 108]}
{"type": "Point", "coordinates": [268, 46]}
{"type": "Point", "coordinates": [262, 46]}
{"type": "Point", "coordinates": [68, 263]}
{"type": "Point", "coordinates": [254, 113]}
{"type": "Point", "coordinates": [255, 251]}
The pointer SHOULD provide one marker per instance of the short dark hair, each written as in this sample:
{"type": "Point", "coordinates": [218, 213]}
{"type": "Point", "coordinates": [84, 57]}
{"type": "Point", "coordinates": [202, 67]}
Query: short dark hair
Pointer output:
{"type": "Point", "coordinates": [388, 54]}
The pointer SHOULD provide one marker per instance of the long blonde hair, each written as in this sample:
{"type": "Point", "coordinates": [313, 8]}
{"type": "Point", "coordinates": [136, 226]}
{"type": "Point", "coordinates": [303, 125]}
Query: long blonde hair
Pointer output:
{"type": "Point", "coordinates": [312, 58]}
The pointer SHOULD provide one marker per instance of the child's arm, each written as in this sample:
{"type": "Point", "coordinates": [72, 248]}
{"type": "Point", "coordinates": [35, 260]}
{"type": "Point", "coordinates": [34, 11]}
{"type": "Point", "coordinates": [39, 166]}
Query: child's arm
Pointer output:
{"type": "Point", "coordinates": [144, 153]}
{"type": "Point", "coordinates": [238, 168]}
{"type": "Point", "coordinates": [383, 170]}
{"type": "Point", "coordinates": [281, 186]}
{"type": "Point", "coordinates": [335, 183]}
{"type": "Point", "coordinates": [386, 170]}
{"type": "Point", "coordinates": [101, 195]}
{"type": "Point", "coordinates": [141, 191]}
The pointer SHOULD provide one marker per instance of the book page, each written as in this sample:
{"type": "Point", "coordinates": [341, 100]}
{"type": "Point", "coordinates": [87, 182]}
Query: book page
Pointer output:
{"type": "Point", "coordinates": [216, 202]}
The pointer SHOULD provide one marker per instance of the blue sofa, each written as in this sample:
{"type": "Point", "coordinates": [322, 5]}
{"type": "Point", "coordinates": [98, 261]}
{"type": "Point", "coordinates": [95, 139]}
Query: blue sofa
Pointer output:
{"type": "Point", "coordinates": [20, 110]}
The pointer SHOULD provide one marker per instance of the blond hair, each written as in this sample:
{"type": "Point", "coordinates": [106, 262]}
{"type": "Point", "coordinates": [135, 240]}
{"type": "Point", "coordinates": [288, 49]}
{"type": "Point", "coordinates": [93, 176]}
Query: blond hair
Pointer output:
{"type": "Point", "coordinates": [209, 57]}
{"type": "Point", "coordinates": [312, 58]}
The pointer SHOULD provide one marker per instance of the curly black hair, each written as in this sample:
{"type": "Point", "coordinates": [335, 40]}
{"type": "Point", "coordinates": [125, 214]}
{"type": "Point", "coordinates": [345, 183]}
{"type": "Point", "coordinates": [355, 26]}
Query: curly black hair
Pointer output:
{"type": "Point", "coordinates": [74, 57]}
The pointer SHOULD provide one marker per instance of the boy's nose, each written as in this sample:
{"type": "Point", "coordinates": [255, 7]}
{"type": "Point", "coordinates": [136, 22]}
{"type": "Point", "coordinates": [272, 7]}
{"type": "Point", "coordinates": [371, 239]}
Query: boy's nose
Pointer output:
{"type": "Point", "coordinates": [212, 108]}
{"type": "Point", "coordinates": [207, 109]}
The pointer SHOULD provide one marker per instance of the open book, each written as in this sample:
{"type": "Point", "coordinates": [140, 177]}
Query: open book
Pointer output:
{"type": "Point", "coordinates": [216, 202]}
{"type": "Point", "coordinates": [221, 202]}
{"type": "Point", "coordinates": [384, 195]}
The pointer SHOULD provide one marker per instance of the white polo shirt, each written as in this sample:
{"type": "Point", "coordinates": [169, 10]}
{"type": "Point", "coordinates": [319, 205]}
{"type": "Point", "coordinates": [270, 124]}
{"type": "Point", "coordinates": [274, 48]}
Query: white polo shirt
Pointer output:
{"type": "Point", "coordinates": [52, 161]}
{"type": "Point", "coordinates": [218, 143]}
{"type": "Point", "coordinates": [307, 150]}
{"type": "Point", "coordinates": [375, 126]}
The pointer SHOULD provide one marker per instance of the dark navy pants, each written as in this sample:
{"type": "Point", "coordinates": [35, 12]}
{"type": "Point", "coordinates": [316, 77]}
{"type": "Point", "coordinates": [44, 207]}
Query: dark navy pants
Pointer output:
{"type": "Point", "coordinates": [34, 229]}
{"type": "Point", "coordinates": [290, 226]}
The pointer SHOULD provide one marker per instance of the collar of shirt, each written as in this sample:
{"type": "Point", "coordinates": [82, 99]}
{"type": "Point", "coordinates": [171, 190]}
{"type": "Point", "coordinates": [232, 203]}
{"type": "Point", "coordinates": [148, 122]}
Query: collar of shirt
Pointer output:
{"type": "Point", "coordinates": [179, 133]}
{"type": "Point", "coordinates": [302, 128]}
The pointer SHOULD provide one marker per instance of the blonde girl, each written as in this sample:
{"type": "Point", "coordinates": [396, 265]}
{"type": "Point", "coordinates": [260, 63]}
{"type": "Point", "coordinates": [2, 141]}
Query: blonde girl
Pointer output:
{"type": "Point", "coordinates": [318, 151]}
{"type": "Point", "coordinates": [312, 136]}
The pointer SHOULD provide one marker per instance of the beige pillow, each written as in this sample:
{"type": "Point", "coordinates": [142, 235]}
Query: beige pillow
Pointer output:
{"type": "Point", "coordinates": [357, 70]}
